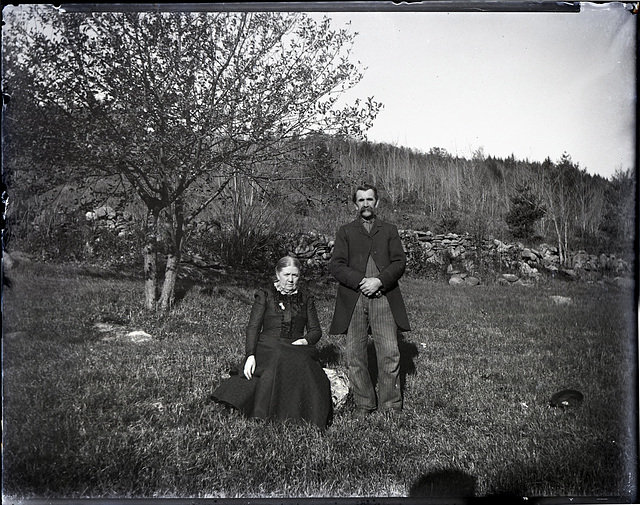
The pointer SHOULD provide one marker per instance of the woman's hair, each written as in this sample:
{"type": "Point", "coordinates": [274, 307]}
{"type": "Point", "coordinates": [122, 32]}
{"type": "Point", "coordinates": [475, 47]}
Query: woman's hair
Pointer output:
{"type": "Point", "coordinates": [287, 261]}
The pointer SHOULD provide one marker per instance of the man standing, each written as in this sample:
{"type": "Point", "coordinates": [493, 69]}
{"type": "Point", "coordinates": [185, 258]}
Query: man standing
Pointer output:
{"type": "Point", "coordinates": [368, 260]}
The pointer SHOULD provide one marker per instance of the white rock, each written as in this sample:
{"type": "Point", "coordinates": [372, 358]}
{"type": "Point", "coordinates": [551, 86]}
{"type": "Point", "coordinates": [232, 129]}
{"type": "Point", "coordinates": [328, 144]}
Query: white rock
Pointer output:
{"type": "Point", "coordinates": [456, 280]}
{"type": "Point", "coordinates": [339, 387]}
{"type": "Point", "coordinates": [107, 327]}
{"type": "Point", "coordinates": [138, 336]}
{"type": "Point", "coordinates": [561, 300]}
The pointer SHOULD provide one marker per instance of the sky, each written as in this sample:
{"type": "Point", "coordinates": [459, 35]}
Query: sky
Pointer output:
{"type": "Point", "coordinates": [534, 85]}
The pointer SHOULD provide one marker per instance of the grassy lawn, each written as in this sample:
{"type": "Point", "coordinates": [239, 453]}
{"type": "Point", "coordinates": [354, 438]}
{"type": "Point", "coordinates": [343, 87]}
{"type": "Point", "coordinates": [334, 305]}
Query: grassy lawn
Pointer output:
{"type": "Point", "coordinates": [91, 414]}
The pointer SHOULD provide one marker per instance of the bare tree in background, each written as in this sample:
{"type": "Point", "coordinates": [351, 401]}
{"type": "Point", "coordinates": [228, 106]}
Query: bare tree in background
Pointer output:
{"type": "Point", "coordinates": [177, 106]}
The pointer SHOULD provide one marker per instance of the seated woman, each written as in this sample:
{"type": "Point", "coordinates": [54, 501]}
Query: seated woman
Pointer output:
{"type": "Point", "coordinates": [282, 376]}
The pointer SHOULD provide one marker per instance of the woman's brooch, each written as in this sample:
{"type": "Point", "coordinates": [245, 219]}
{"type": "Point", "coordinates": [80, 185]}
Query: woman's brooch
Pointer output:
{"type": "Point", "coordinates": [281, 305]}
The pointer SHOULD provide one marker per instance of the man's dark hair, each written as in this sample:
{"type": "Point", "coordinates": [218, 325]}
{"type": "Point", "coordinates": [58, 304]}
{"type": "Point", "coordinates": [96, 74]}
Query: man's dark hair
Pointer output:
{"type": "Point", "coordinates": [365, 186]}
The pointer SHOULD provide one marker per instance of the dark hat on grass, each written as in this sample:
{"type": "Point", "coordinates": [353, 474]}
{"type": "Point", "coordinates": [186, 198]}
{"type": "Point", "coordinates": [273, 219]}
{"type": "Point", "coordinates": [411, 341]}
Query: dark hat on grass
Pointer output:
{"type": "Point", "coordinates": [566, 398]}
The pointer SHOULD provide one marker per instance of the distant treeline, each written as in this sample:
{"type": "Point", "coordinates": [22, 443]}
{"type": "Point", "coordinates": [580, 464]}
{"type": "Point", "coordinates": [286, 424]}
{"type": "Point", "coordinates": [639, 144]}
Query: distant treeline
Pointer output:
{"type": "Point", "coordinates": [487, 197]}
{"type": "Point", "coordinates": [553, 201]}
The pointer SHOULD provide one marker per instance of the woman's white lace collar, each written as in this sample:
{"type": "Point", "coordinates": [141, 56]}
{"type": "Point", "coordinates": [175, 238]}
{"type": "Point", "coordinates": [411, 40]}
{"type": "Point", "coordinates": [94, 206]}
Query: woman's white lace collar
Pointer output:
{"type": "Point", "coordinates": [281, 290]}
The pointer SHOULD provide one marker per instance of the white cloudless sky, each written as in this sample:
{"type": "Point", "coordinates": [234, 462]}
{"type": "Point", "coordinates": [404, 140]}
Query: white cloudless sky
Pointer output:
{"type": "Point", "coordinates": [534, 85]}
{"type": "Point", "coordinates": [531, 84]}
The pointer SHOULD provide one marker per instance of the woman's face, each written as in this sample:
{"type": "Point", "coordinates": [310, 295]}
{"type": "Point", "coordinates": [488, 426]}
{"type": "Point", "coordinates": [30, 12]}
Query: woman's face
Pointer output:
{"type": "Point", "coordinates": [288, 278]}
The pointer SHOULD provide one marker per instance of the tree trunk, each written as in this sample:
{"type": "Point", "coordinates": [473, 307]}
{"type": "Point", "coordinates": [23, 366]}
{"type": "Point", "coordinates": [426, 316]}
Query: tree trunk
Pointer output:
{"type": "Point", "coordinates": [168, 296]}
{"type": "Point", "coordinates": [566, 246]}
{"type": "Point", "coordinates": [559, 238]}
{"type": "Point", "coordinates": [150, 261]}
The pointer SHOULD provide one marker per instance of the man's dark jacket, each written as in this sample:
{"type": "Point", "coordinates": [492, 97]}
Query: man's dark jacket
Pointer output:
{"type": "Point", "coordinates": [352, 248]}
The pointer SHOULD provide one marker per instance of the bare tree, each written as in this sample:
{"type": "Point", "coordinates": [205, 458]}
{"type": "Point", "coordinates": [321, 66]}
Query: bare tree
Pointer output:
{"type": "Point", "coordinates": [179, 106]}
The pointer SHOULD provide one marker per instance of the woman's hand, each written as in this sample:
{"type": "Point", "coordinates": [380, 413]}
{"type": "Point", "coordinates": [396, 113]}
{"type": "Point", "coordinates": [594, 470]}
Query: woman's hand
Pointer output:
{"type": "Point", "coordinates": [300, 341]}
{"type": "Point", "coordinates": [250, 366]}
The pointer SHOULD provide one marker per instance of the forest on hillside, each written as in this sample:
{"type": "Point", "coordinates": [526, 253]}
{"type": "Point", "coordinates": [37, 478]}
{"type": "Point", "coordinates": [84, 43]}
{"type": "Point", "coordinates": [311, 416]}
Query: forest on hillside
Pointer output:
{"type": "Point", "coordinates": [487, 197]}
{"type": "Point", "coordinates": [558, 202]}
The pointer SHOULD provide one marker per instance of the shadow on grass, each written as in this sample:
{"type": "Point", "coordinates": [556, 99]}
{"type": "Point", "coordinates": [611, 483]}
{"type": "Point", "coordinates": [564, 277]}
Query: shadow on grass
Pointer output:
{"type": "Point", "coordinates": [231, 283]}
{"type": "Point", "coordinates": [121, 272]}
{"type": "Point", "coordinates": [458, 486]}
{"type": "Point", "coordinates": [329, 355]}
{"type": "Point", "coordinates": [614, 465]}
{"type": "Point", "coordinates": [444, 484]}
{"type": "Point", "coordinates": [408, 352]}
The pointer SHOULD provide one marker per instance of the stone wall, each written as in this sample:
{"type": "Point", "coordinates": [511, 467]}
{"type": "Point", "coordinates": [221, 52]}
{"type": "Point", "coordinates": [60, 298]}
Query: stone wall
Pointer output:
{"type": "Point", "coordinates": [458, 257]}
{"type": "Point", "coordinates": [107, 217]}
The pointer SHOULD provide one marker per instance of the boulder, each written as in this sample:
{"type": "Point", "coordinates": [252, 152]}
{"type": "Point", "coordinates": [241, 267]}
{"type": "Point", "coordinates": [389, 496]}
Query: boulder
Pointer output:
{"type": "Point", "coordinates": [339, 387]}
{"type": "Point", "coordinates": [561, 300]}
{"type": "Point", "coordinates": [455, 252]}
{"type": "Point", "coordinates": [624, 282]}
{"type": "Point", "coordinates": [435, 259]}
{"type": "Point", "coordinates": [502, 247]}
{"type": "Point", "coordinates": [472, 281]}
{"type": "Point", "coordinates": [138, 336]}
{"type": "Point", "coordinates": [105, 212]}
{"type": "Point", "coordinates": [621, 266]}
{"type": "Point", "coordinates": [527, 270]}
{"type": "Point", "coordinates": [303, 252]}
{"type": "Point", "coordinates": [548, 250]}
{"type": "Point", "coordinates": [456, 280]}
{"type": "Point", "coordinates": [603, 260]}
{"type": "Point", "coordinates": [580, 259]}
{"type": "Point", "coordinates": [14, 259]}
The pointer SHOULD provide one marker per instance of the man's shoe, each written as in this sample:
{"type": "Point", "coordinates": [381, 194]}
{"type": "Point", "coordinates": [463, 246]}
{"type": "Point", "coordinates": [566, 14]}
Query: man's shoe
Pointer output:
{"type": "Point", "coordinates": [361, 413]}
{"type": "Point", "coordinates": [392, 413]}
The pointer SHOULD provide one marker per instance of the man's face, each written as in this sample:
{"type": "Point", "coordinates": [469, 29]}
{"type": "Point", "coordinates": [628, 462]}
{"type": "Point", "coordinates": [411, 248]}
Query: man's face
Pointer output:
{"type": "Point", "coordinates": [366, 203]}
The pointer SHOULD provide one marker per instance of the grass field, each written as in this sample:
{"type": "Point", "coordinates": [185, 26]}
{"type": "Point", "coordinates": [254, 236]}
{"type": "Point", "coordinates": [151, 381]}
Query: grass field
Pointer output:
{"type": "Point", "coordinates": [90, 414]}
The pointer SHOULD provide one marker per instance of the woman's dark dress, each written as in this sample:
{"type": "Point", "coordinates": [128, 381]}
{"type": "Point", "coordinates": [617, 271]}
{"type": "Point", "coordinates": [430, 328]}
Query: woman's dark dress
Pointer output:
{"type": "Point", "coordinates": [288, 382]}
